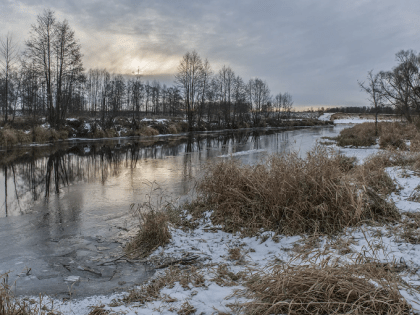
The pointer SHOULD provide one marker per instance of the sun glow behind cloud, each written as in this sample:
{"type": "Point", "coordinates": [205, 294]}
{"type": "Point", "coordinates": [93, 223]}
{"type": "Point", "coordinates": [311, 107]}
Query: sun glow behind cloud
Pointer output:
{"type": "Point", "coordinates": [152, 65]}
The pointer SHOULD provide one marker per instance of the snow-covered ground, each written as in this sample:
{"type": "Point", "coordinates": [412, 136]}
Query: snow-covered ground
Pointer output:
{"type": "Point", "coordinates": [325, 116]}
{"type": "Point", "coordinates": [352, 119]}
{"type": "Point", "coordinates": [357, 120]}
{"type": "Point", "coordinates": [213, 250]}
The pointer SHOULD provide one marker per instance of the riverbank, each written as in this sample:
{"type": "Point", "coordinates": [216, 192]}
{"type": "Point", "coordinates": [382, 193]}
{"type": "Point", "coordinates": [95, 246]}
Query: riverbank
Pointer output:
{"type": "Point", "coordinates": [37, 131]}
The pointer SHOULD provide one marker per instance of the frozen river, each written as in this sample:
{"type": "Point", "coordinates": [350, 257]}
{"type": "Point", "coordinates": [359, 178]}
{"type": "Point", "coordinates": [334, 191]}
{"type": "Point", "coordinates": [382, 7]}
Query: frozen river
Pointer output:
{"type": "Point", "coordinates": [65, 210]}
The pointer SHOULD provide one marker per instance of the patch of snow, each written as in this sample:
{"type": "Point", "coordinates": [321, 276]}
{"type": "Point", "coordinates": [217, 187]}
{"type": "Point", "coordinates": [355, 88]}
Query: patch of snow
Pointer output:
{"type": "Point", "coordinates": [242, 153]}
{"type": "Point", "coordinates": [325, 116]}
{"type": "Point", "coordinates": [357, 120]}
{"type": "Point", "coordinates": [72, 278]}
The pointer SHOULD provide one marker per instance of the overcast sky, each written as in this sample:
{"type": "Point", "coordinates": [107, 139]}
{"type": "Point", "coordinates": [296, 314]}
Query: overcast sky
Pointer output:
{"type": "Point", "coordinates": [316, 50]}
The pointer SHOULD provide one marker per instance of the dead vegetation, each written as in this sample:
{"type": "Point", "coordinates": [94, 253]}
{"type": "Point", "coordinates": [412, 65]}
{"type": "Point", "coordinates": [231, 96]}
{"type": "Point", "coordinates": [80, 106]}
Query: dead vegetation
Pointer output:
{"type": "Point", "coordinates": [361, 135]}
{"type": "Point", "coordinates": [10, 305]}
{"type": "Point", "coordinates": [393, 135]}
{"type": "Point", "coordinates": [322, 193]}
{"type": "Point", "coordinates": [409, 229]}
{"type": "Point", "coordinates": [153, 232]}
{"type": "Point", "coordinates": [390, 158]}
{"type": "Point", "coordinates": [151, 291]}
{"type": "Point", "coordinates": [99, 310]}
{"type": "Point", "coordinates": [361, 288]}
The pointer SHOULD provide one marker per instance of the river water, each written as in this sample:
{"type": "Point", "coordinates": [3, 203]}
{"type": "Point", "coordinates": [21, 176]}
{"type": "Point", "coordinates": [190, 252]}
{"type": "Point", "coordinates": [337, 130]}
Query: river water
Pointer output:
{"type": "Point", "coordinates": [65, 209]}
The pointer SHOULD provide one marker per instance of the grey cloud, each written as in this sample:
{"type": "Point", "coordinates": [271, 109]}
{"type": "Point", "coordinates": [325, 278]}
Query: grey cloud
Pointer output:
{"type": "Point", "coordinates": [317, 50]}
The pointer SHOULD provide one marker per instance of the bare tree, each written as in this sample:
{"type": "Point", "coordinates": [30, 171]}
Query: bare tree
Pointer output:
{"type": "Point", "coordinates": [375, 96]}
{"type": "Point", "coordinates": [55, 55]}
{"type": "Point", "coordinates": [287, 104]}
{"type": "Point", "coordinates": [401, 86]}
{"type": "Point", "coordinates": [9, 51]}
{"type": "Point", "coordinates": [260, 96]}
{"type": "Point", "coordinates": [188, 79]}
{"type": "Point", "coordinates": [206, 74]}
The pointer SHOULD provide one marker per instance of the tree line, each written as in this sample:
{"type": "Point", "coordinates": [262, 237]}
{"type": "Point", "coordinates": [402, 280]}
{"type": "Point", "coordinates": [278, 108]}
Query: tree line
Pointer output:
{"type": "Point", "coordinates": [48, 79]}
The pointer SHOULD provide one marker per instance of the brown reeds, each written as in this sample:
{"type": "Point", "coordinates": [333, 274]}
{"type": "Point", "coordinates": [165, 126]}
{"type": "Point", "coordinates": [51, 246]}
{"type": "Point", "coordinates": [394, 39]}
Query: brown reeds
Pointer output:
{"type": "Point", "coordinates": [148, 131]}
{"type": "Point", "coordinates": [391, 135]}
{"type": "Point", "coordinates": [9, 305]}
{"type": "Point", "coordinates": [99, 310]}
{"type": "Point", "coordinates": [357, 136]}
{"type": "Point", "coordinates": [8, 137]}
{"type": "Point", "coordinates": [325, 289]}
{"type": "Point", "coordinates": [291, 195]}
{"type": "Point", "coordinates": [154, 232]}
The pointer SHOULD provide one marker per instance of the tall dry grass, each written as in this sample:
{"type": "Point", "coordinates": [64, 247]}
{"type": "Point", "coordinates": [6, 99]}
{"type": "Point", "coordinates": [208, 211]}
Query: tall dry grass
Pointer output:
{"type": "Point", "coordinates": [292, 195]}
{"type": "Point", "coordinates": [9, 305]}
{"type": "Point", "coordinates": [8, 137]}
{"type": "Point", "coordinates": [358, 135]}
{"type": "Point", "coordinates": [363, 288]}
{"type": "Point", "coordinates": [391, 135]}
{"type": "Point", "coordinates": [153, 231]}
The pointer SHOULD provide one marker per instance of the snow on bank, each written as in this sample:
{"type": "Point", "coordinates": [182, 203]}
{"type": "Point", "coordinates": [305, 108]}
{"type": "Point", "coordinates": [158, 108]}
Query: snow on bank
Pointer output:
{"type": "Point", "coordinates": [351, 119]}
{"type": "Point", "coordinates": [159, 121]}
{"type": "Point", "coordinates": [213, 247]}
{"type": "Point", "coordinates": [357, 120]}
{"type": "Point", "coordinates": [325, 116]}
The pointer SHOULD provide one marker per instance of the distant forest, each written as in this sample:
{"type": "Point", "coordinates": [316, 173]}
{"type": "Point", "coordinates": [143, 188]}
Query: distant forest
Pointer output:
{"type": "Point", "coordinates": [47, 78]}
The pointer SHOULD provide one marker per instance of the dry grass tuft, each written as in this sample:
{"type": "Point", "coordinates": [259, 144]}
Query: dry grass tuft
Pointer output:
{"type": "Point", "coordinates": [235, 253]}
{"type": "Point", "coordinates": [360, 135]}
{"type": "Point", "coordinates": [391, 135]}
{"type": "Point", "coordinates": [373, 175]}
{"type": "Point", "coordinates": [40, 134]}
{"type": "Point", "coordinates": [186, 309]}
{"type": "Point", "coordinates": [291, 195]}
{"type": "Point", "coordinates": [151, 290]}
{"type": "Point", "coordinates": [325, 289]}
{"type": "Point", "coordinates": [8, 137]}
{"type": "Point", "coordinates": [391, 158]}
{"type": "Point", "coordinates": [9, 305]}
{"type": "Point", "coordinates": [394, 135]}
{"type": "Point", "coordinates": [154, 232]}
{"type": "Point", "coordinates": [99, 310]}
{"type": "Point", "coordinates": [172, 128]}
{"type": "Point", "coordinates": [148, 131]}
{"type": "Point", "coordinates": [225, 277]}
{"type": "Point", "coordinates": [410, 228]}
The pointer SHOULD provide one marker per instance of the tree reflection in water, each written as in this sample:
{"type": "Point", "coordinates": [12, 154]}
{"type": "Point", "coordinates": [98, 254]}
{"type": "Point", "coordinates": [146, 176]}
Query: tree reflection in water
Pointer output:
{"type": "Point", "coordinates": [28, 173]}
